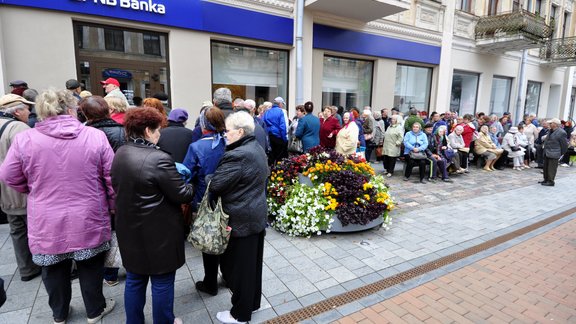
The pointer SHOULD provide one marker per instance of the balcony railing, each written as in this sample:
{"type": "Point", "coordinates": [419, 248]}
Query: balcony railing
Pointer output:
{"type": "Point", "coordinates": [559, 52]}
{"type": "Point", "coordinates": [511, 31]}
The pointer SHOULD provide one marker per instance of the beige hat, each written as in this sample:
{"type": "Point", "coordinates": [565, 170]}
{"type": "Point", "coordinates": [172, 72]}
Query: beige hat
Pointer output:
{"type": "Point", "coordinates": [9, 100]}
{"type": "Point", "coordinates": [555, 121]}
{"type": "Point", "coordinates": [513, 130]}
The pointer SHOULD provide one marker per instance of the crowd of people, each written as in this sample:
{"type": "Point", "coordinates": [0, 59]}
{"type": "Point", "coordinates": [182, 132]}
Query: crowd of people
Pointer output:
{"type": "Point", "coordinates": [80, 172]}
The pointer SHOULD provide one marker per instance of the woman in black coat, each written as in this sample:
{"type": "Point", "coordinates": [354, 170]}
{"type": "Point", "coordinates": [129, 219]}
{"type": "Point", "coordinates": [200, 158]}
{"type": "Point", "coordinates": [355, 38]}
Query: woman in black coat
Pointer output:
{"type": "Point", "coordinates": [149, 221]}
{"type": "Point", "coordinates": [240, 180]}
{"type": "Point", "coordinates": [97, 113]}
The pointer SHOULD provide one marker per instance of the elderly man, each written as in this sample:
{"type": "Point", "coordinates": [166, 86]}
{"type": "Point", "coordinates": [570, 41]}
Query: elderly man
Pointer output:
{"type": "Point", "coordinates": [555, 145]}
{"type": "Point", "coordinates": [18, 87]}
{"type": "Point", "coordinates": [275, 119]}
{"type": "Point", "coordinates": [75, 88]}
{"type": "Point", "coordinates": [112, 88]}
{"type": "Point", "coordinates": [14, 111]}
{"type": "Point", "coordinates": [222, 98]}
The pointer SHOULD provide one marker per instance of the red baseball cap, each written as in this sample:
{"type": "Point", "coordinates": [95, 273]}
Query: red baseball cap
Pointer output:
{"type": "Point", "coordinates": [110, 81]}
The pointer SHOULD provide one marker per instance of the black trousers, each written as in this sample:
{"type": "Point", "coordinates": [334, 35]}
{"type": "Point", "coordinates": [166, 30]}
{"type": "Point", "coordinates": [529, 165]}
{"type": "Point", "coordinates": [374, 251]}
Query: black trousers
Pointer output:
{"type": "Point", "coordinates": [279, 150]}
{"type": "Point", "coordinates": [501, 162]}
{"type": "Point", "coordinates": [567, 155]}
{"type": "Point", "coordinates": [410, 164]}
{"type": "Point", "coordinates": [550, 168]}
{"type": "Point", "coordinates": [56, 279]}
{"type": "Point", "coordinates": [389, 163]}
{"type": "Point", "coordinates": [463, 159]}
{"type": "Point", "coordinates": [211, 263]}
{"type": "Point", "coordinates": [539, 154]}
{"type": "Point", "coordinates": [242, 261]}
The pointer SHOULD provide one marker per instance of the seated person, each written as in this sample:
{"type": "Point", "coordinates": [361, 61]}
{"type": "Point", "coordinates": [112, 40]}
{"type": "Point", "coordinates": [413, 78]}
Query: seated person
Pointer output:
{"type": "Point", "coordinates": [437, 162]}
{"type": "Point", "coordinates": [444, 149]}
{"type": "Point", "coordinates": [484, 147]}
{"type": "Point", "coordinates": [456, 142]}
{"type": "Point", "coordinates": [565, 160]}
{"type": "Point", "coordinates": [415, 144]}
{"type": "Point", "coordinates": [515, 151]}
{"type": "Point", "coordinates": [499, 165]}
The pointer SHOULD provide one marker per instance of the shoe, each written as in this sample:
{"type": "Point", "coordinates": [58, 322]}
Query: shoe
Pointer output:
{"type": "Point", "coordinates": [564, 165]}
{"type": "Point", "coordinates": [466, 171]}
{"type": "Point", "coordinates": [422, 181]}
{"type": "Point", "coordinates": [500, 168]}
{"type": "Point", "coordinates": [178, 320]}
{"type": "Point", "coordinates": [200, 286]}
{"type": "Point", "coordinates": [433, 180]}
{"type": "Point", "coordinates": [493, 168]}
{"type": "Point", "coordinates": [539, 167]}
{"type": "Point", "coordinates": [459, 171]}
{"type": "Point", "coordinates": [389, 175]}
{"type": "Point", "coordinates": [57, 321]}
{"type": "Point", "coordinates": [111, 283]}
{"type": "Point", "coordinates": [527, 166]}
{"type": "Point", "coordinates": [548, 184]}
{"type": "Point", "coordinates": [30, 277]}
{"type": "Point", "coordinates": [226, 317]}
{"type": "Point", "coordinates": [487, 169]}
{"type": "Point", "coordinates": [110, 303]}
{"type": "Point", "coordinates": [447, 180]}
{"type": "Point", "coordinates": [406, 179]}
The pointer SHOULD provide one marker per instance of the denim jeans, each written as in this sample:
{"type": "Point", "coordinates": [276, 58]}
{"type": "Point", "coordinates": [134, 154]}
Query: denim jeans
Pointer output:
{"type": "Point", "coordinates": [162, 297]}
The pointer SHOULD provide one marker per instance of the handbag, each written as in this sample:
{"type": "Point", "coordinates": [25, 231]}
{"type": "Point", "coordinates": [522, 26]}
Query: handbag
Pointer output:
{"type": "Point", "coordinates": [295, 145]}
{"type": "Point", "coordinates": [449, 154]}
{"type": "Point", "coordinates": [113, 258]}
{"type": "Point", "coordinates": [417, 155]}
{"type": "Point", "coordinates": [515, 148]}
{"type": "Point", "coordinates": [379, 151]}
{"type": "Point", "coordinates": [210, 232]}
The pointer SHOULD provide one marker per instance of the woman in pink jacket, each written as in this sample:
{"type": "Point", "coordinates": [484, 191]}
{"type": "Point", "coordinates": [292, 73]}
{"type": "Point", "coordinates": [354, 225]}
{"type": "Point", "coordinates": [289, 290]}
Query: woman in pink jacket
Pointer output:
{"type": "Point", "coordinates": [64, 167]}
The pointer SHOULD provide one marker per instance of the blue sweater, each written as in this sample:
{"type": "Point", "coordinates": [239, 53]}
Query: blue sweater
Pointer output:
{"type": "Point", "coordinates": [275, 122]}
{"type": "Point", "coordinates": [308, 131]}
{"type": "Point", "coordinates": [412, 140]}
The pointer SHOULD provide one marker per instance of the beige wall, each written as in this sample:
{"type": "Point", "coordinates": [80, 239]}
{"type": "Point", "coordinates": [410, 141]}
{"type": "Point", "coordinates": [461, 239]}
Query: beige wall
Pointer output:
{"type": "Point", "coordinates": [42, 54]}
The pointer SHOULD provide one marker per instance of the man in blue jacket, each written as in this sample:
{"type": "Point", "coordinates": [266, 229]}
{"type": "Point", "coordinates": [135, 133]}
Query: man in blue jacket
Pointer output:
{"type": "Point", "coordinates": [276, 125]}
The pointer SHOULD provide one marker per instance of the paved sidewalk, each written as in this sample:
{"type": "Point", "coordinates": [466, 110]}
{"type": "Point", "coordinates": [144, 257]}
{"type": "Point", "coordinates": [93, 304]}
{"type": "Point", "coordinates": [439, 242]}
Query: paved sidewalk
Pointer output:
{"type": "Point", "coordinates": [432, 221]}
{"type": "Point", "coordinates": [534, 281]}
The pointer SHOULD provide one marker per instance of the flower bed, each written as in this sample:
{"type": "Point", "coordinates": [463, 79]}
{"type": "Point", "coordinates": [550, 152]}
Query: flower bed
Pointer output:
{"type": "Point", "coordinates": [338, 187]}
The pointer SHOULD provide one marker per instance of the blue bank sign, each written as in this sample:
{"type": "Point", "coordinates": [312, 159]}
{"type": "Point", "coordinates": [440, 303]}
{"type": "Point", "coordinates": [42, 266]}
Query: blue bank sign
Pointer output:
{"type": "Point", "coordinates": [146, 6]}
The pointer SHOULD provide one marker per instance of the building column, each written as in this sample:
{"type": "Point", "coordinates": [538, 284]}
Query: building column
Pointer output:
{"type": "Point", "coordinates": [566, 94]}
{"type": "Point", "coordinates": [445, 67]}
{"type": "Point", "coordinates": [3, 81]}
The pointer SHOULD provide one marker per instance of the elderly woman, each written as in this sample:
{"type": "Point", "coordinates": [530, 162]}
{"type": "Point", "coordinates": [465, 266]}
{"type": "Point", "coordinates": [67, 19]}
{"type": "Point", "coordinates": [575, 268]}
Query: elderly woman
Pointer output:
{"type": "Point", "coordinates": [515, 151]}
{"type": "Point", "coordinates": [300, 112]}
{"type": "Point", "coordinates": [329, 128]}
{"type": "Point", "coordinates": [202, 159]}
{"type": "Point", "coordinates": [444, 149]}
{"type": "Point", "coordinates": [525, 143]}
{"type": "Point", "coordinates": [486, 148]}
{"type": "Point", "coordinates": [379, 130]}
{"type": "Point", "coordinates": [158, 106]}
{"type": "Point", "coordinates": [240, 181]}
{"type": "Point", "coordinates": [62, 154]}
{"type": "Point", "coordinates": [565, 160]}
{"type": "Point", "coordinates": [456, 142]}
{"type": "Point", "coordinates": [392, 144]}
{"type": "Point", "coordinates": [308, 129]}
{"type": "Point", "coordinates": [149, 221]}
{"type": "Point", "coordinates": [347, 138]}
{"type": "Point", "coordinates": [118, 108]}
{"type": "Point", "coordinates": [499, 165]}
{"type": "Point", "coordinates": [96, 110]}
{"type": "Point", "coordinates": [417, 142]}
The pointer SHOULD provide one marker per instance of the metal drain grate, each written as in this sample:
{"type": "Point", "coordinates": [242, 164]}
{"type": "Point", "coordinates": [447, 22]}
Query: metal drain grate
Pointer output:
{"type": "Point", "coordinates": [358, 293]}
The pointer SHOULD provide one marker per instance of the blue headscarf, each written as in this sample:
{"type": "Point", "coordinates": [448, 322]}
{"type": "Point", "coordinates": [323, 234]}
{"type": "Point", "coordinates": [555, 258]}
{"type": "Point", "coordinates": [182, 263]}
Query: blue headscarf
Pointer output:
{"type": "Point", "coordinates": [205, 124]}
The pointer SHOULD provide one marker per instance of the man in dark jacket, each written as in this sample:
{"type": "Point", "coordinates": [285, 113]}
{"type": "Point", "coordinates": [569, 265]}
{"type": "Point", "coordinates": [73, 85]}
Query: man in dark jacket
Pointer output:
{"type": "Point", "coordinates": [222, 99]}
{"type": "Point", "coordinates": [260, 131]}
{"type": "Point", "coordinates": [555, 145]}
{"type": "Point", "coordinates": [276, 124]}
{"type": "Point", "coordinates": [176, 138]}
{"type": "Point", "coordinates": [538, 144]}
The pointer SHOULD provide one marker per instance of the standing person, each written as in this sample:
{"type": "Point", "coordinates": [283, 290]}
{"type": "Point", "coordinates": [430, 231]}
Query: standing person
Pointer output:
{"type": "Point", "coordinates": [30, 95]}
{"type": "Point", "coordinates": [240, 181]}
{"type": "Point", "coordinates": [97, 113]}
{"type": "Point", "coordinates": [368, 130]}
{"type": "Point", "coordinates": [62, 154]}
{"type": "Point", "coordinates": [538, 144]}
{"type": "Point", "coordinates": [300, 112]}
{"type": "Point", "coordinates": [202, 160]}
{"type": "Point", "coordinates": [260, 131]}
{"type": "Point", "coordinates": [308, 129]}
{"type": "Point", "coordinates": [378, 139]}
{"type": "Point", "coordinates": [413, 118]}
{"type": "Point", "coordinates": [112, 88]}
{"type": "Point", "coordinates": [149, 221]}
{"type": "Point", "coordinates": [277, 133]}
{"type": "Point", "coordinates": [392, 144]}
{"type": "Point", "coordinates": [18, 87]}
{"type": "Point", "coordinates": [157, 105]}
{"type": "Point", "coordinates": [415, 141]}
{"type": "Point", "coordinates": [347, 138]}
{"type": "Point", "coordinates": [13, 118]}
{"type": "Point", "coordinates": [75, 88]}
{"type": "Point", "coordinates": [118, 109]}
{"type": "Point", "coordinates": [222, 98]}
{"type": "Point", "coordinates": [329, 128]}
{"type": "Point", "coordinates": [468, 129]}
{"type": "Point", "coordinates": [385, 118]}
{"type": "Point", "coordinates": [555, 145]}
{"type": "Point", "coordinates": [176, 138]}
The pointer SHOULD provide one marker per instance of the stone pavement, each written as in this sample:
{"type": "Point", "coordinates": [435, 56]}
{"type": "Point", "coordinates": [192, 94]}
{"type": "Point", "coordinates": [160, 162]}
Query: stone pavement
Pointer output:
{"type": "Point", "coordinates": [534, 281]}
{"type": "Point", "coordinates": [433, 220]}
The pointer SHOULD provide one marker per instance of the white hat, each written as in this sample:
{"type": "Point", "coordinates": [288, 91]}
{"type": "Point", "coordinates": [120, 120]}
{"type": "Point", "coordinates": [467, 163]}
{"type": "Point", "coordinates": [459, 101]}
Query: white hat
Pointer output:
{"type": "Point", "coordinates": [513, 130]}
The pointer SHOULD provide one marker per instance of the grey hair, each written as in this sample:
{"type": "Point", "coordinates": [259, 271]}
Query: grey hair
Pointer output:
{"type": "Point", "coordinates": [241, 120]}
{"type": "Point", "coordinates": [239, 102]}
{"type": "Point", "coordinates": [13, 108]}
{"type": "Point", "coordinates": [249, 104]}
{"type": "Point", "coordinates": [376, 115]}
{"type": "Point", "coordinates": [222, 95]}
{"type": "Point", "coordinates": [30, 94]}
{"type": "Point", "coordinates": [394, 117]}
{"type": "Point", "coordinates": [54, 102]}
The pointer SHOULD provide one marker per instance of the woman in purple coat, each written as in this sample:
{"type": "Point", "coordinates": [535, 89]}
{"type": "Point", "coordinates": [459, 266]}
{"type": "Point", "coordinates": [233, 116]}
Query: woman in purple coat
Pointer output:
{"type": "Point", "coordinates": [64, 167]}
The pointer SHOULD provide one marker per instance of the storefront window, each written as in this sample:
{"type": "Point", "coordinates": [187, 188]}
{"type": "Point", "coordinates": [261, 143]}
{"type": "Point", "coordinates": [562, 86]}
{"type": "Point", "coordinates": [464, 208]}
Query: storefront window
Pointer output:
{"type": "Point", "coordinates": [412, 87]}
{"type": "Point", "coordinates": [137, 59]}
{"type": "Point", "coordinates": [346, 82]}
{"type": "Point", "coordinates": [532, 97]}
{"type": "Point", "coordinates": [500, 96]}
{"type": "Point", "coordinates": [250, 72]}
{"type": "Point", "coordinates": [464, 92]}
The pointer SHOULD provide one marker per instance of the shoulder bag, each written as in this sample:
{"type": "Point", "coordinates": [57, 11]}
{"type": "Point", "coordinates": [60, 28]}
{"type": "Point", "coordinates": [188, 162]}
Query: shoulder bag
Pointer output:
{"type": "Point", "coordinates": [210, 232]}
{"type": "Point", "coordinates": [295, 145]}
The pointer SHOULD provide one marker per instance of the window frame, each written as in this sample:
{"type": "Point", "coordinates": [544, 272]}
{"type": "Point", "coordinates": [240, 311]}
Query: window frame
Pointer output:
{"type": "Point", "coordinates": [329, 55]}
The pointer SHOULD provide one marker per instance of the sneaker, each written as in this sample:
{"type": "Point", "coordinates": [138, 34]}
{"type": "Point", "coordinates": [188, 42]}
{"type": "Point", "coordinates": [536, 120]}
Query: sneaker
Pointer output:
{"type": "Point", "coordinates": [110, 303]}
{"type": "Point", "coordinates": [406, 179]}
{"type": "Point", "coordinates": [57, 321]}
{"type": "Point", "coordinates": [447, 180]}
{"type": "Point", "coordinates": [226, 318]}
{"type": "Point", "coordinates": [422, 181]}
{"type": "Point", "coordinates": [564, 165]}
{"type": "Point", "coordinates": [389, 175]}
{"type": "Point", "coordinates": [200, 286]}
{"type": "Point", "coordinates": [111, 283]}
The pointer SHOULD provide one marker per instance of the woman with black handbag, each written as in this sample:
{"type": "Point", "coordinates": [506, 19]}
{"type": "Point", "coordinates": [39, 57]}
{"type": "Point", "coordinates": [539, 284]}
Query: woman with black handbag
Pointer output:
{"type": "Point", "coordinates": [415, 144]}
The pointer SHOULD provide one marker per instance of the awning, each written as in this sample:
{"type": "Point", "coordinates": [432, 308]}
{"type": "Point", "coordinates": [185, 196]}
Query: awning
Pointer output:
{"type": "Point", "coordinates": [363, 10]}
